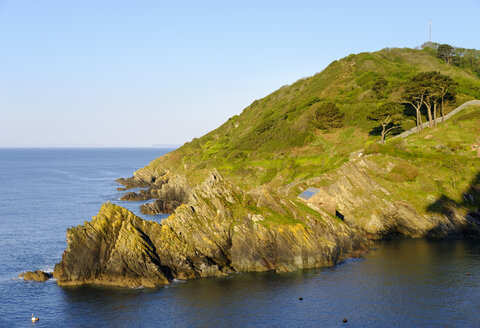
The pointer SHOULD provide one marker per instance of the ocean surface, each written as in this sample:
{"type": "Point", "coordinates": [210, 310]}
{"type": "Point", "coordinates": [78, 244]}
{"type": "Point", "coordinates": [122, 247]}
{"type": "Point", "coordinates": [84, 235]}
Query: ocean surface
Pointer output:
{"type": "Point", "coordinates": [402, 283]}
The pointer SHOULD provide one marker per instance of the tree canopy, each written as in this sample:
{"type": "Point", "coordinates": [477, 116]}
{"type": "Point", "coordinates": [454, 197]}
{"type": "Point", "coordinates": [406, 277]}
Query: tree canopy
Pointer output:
{"type": "Point", "coordinates": [465, 58]}
{"type": "Point", "coordinates": [431, 89]}
{"type": "Point", "coordinates": [445, 52]}
{"type": "Point", "coordinates": [389, 115]}
{"type": "Point", "coordinates": [327, 116]}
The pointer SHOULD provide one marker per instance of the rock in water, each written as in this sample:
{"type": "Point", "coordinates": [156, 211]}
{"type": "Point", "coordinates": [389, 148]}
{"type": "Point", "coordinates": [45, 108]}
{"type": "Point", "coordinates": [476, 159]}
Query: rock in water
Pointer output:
{"type": "Point", "coordinates": [213, 234]}
{"type": "Point", "coordinates": [36, 275]}
{"type": "Point", "coordinates": [168, 189]}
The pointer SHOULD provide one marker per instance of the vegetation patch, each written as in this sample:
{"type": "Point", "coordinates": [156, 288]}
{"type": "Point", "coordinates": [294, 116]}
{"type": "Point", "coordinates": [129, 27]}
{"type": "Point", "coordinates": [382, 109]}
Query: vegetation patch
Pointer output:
{"type": "Point", "coordinates": [403, 171]}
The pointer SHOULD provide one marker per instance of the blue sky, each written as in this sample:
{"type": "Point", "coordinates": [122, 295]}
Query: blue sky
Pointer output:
{"type": "Point", "coordinates": [137, 73]}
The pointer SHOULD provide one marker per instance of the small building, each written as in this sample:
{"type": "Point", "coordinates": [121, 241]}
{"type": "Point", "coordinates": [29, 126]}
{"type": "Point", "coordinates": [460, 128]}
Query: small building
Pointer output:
{"type": "Point", "coordinates": [319, 198]}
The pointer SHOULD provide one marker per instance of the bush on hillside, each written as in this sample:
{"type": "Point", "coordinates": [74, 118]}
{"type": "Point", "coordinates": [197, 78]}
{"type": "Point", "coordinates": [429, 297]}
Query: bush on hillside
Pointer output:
{"type": "Point", "coordinates": [327, 116]}
{"type": "Point", "coordinates": [403, 171]}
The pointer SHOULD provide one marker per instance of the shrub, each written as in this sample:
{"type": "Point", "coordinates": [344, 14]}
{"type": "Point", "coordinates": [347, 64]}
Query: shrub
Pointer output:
{"type": "Point", "coordinates": [403, 171]}
{"type": "Point", "coordinates": [397, 144]}
{"type": "Point", "coordinates": [327, 116]}
{"type": "Point", "coordinates": [372, 147]}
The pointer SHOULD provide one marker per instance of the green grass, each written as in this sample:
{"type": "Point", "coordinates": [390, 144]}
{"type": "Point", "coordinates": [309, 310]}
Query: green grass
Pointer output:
{"type": "Point", "coordinates": [436, 163]}
{"type": "Point", "coordinates": [274, 142]}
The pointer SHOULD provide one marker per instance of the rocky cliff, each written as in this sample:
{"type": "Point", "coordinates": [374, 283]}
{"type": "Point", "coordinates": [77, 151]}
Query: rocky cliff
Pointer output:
{"type": "Point", "coordinates": [220, 230]}
{"type": "Point", "coordinates": [385, 197]}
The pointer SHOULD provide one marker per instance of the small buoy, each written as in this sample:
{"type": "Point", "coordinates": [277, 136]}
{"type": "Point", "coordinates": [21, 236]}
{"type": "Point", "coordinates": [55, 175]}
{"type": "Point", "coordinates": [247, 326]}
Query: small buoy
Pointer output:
{"type": "Point", "coordinates": [468, 273]}
{"type": "Point", "coordinates": [300, 298]}
{"type": "Point", "coordinates": [345, 320]}
{"type": "Point", "coordinates": [34, 319]}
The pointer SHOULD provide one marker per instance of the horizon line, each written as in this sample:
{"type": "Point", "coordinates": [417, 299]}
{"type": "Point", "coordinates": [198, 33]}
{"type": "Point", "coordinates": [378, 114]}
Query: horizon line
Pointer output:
{"type": "Point", "coordinates": [90, 147]}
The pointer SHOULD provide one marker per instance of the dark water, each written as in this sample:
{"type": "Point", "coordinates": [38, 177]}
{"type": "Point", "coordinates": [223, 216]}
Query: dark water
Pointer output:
{"type": "Point", "coordinates": [43, 192]}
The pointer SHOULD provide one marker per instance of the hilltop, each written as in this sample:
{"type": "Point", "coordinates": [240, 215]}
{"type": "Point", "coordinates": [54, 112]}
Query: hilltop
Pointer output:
{"type": "Point", "coordinates": [273, 141]}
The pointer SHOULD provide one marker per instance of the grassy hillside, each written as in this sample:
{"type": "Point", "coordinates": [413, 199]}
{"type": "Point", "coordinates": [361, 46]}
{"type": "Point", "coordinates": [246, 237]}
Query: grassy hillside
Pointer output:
{"type": "Point", "coordinates": [438, 163]}
{"type": "Point", "coordinates": [273, 141]}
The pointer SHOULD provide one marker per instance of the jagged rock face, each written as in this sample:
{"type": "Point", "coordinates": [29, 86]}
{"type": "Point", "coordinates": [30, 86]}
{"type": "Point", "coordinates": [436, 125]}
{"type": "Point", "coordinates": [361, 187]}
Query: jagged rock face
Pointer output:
{"type": "Point", "coordinates": [221, 229]}
{"type": "Point", "coordinates": [169, 190]}
{"type": "Point", "coordinates": [370, 207]}
{"type": "Point", "coordinates": [211, 235]}
{"type": "Point", "coordinates": [113, 249]}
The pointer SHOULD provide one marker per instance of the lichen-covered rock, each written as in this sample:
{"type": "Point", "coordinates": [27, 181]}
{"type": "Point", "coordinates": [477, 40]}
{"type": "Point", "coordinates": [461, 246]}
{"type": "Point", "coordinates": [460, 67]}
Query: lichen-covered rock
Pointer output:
{"type": "Point", "coordinates": [36, 275]}
{"type": "Point", "coordinates": [113, 249]}
{"type": "Point", "coordinates": [219, 230]}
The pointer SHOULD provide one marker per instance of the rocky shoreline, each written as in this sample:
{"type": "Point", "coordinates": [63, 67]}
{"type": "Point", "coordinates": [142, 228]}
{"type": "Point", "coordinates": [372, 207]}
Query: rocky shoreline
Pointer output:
{"type": "Point", "coordinates": [215, 233]}
{"type": "Point", "coordinates": [168, 191]}
{"type": "Point", "coordinates": [222, 229]}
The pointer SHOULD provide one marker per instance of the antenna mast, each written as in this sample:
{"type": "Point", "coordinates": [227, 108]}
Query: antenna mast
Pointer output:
{"type": "Point", "coordinates": [430, 31]}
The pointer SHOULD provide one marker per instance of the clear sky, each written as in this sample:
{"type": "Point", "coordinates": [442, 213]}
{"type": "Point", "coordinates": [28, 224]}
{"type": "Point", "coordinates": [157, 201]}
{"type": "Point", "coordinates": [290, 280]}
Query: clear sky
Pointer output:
{"type": "Point", "coordinates": [138, 73]}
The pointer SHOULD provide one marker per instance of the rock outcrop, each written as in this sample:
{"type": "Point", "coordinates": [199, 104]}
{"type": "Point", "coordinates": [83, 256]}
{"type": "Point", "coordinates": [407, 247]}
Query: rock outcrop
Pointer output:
{"type": "Point", "coordinates": [36, 275]}
{"type": "Point", "coordinates": [360, 194]}
{"type": "Point", "coordinates": [219, 230]}
{"type": "Point", "coordinates": [168, 190]}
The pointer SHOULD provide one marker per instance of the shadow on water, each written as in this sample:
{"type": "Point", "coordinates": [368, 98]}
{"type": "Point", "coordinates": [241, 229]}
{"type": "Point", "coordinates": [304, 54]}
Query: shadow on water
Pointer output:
{"type": "Point", "coordinates": [400, 283]}
{"type": "Point", "coordinates": [470, 201]}
{"type": "Point", "coordinates": [230, 301]}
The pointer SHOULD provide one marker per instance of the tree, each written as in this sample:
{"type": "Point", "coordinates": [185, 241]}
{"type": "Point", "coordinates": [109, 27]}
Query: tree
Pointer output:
{"type": "Point", "coordinates": [430, 89]}
{"type": "Point", "coordinates": [414, 94]}
{"type": "Point", "coordinates": [327, 116]}
{"type": "Point", "coordinates": [389, 115]}
{"type": "Point", "coordinates": [447, 92]}
{"type": "Point", "coordinates": [432, 81]}
{"type": "Point", "coordinates": [446, 52]}
{"type": "Point", "coordinates": [379, 87]}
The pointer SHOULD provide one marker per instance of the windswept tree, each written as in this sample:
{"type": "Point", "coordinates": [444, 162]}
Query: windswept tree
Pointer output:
{"type": "Point", "coordinates": [439, 90]}
{"type": "Point", "coordinates": [389, 116]}
{"type": "Point", "coordinates": [446, 52]}
{"type": "Point", "coordinates": [447, 93]}
{"type": "Point", "coordinates": [431, 89]}
{"type": "Point", "coordinates": [432, 81]}
{"type": "Point", "coordinates": [414, 94]}
{"type": "Point", "coordinates": [327, 116]}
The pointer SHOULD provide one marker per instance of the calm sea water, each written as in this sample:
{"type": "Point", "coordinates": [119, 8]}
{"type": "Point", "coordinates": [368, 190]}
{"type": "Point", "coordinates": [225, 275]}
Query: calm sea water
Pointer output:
{"type": "Point", "coordinates": [44, 191]}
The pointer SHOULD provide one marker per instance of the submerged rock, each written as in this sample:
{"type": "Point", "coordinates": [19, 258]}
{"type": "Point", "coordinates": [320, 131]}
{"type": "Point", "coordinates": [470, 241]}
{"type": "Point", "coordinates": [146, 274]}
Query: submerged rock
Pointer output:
{"type": "Point", "coordinates": [36, 275]}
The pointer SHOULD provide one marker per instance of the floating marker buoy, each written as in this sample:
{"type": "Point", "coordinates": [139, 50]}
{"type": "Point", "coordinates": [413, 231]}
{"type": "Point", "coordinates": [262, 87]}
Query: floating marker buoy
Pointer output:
{"type": "Point", "coordinates": [34, 319]}
{"type": "Point", "coordinates": [345, 320]}
{"type": "Point", "coordinates": [468, 273]}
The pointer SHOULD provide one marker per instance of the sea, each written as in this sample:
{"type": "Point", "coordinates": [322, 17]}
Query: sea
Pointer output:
{"type": "Point", "coordinates": [43, 192]}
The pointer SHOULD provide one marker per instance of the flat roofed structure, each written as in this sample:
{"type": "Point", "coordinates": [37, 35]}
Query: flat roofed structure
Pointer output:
{"type": "Point", "coordinates": [308, 193]}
